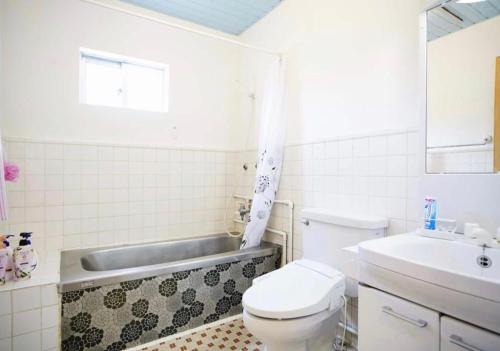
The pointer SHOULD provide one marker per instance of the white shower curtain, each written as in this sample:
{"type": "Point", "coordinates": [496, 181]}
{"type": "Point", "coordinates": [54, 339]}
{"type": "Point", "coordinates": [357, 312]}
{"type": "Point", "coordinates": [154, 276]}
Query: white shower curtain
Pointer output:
{"type": "Point", "coordinates": [270, 154]}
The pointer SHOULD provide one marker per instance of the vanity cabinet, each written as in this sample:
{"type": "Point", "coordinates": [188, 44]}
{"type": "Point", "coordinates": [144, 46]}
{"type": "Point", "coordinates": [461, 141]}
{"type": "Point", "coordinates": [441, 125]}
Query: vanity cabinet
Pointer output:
{"type": "Point", "coordinates": [390, 323]}
{"type": "Point", "coordinates": [459, 336]}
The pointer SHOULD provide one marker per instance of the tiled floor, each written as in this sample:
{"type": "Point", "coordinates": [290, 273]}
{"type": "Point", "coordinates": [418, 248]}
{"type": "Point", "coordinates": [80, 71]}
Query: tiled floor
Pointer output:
{"type": "Point", "coordinates": [228, 336]}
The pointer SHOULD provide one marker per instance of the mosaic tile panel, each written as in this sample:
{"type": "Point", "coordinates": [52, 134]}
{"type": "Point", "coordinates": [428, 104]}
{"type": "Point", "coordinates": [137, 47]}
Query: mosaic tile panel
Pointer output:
{"type": "Point", "coordinates": [116, 317]}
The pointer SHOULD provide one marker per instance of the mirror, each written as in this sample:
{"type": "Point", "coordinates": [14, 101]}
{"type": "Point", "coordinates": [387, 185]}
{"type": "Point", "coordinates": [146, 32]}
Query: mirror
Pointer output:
{"type": "Point", "coordinates": [463, 87]}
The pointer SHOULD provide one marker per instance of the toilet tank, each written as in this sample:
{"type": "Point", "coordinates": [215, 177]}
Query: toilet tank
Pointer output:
{"type": "Point", "coordinates": [327, 232]}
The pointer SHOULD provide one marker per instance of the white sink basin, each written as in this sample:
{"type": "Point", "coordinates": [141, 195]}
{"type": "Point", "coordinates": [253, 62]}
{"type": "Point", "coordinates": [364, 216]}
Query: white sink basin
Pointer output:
{"type": "Point", "coordinates": [442, 274]}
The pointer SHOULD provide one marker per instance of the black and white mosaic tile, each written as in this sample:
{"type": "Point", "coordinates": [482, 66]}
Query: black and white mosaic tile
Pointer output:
{"type": "Point", "coordinates": [131, 313]}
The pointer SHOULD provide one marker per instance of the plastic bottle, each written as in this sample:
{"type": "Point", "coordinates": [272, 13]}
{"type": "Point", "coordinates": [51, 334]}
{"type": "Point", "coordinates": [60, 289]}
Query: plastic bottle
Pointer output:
{"type": "Point", "coordinates": [430, 213]}
{"type": "Point", "coordinates": [6, 257]}
{"type": "Point", "coordinates": [25, 258]}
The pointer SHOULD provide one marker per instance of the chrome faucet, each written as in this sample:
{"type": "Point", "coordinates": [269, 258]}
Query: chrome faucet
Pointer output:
{"type": "Point", "coordinates": [243, 210]}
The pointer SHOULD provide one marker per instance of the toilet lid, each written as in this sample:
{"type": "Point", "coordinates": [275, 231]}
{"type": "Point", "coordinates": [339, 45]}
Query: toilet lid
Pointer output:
{"type": "Point", "coordinates": [299, 289]}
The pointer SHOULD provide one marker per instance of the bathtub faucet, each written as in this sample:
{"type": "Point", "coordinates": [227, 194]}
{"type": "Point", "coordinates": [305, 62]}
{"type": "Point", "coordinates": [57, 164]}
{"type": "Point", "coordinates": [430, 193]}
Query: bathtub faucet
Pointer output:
{"type": "Point", "coordinates": [243, 210]}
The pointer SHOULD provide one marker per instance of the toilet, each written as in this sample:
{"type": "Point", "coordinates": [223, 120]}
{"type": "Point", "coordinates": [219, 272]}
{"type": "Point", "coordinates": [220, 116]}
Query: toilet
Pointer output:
{"type": "Point", "coordinates": [298, 307]}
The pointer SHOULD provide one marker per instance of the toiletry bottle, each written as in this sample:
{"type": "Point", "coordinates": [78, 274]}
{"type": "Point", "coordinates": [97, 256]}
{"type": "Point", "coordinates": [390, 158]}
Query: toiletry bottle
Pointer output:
{"type": "Point", "coordinates": [430, 213]}
{"type": "Point", "coordinates": [5, 258]}
{"type": "Point", "coordinates": [25, 258]}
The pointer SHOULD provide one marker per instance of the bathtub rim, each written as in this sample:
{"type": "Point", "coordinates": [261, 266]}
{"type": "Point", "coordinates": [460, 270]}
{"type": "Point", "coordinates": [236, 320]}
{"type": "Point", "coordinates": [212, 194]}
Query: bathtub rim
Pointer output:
{"type": "Point", "coordinates": [74, 277]}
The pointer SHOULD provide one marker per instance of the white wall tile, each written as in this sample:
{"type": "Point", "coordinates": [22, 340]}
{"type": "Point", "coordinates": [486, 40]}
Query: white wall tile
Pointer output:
{"type": "Point", "coordinates": [16, 198]}
{"type": "Point", "coordinates": [378, 146]}
{"type": "Point", "coordinates": [120, 154]}
{"type": "Point", "coordinates": [50, 339]}
{"type": "Point", "coordinates": [361, 147]}
{"type": "Point", "coordinates": [34, 166]}
{"type": "Point", "coordinates": [27, 321]}
{"type": "Point", "coordinates": [34, 198]}
{"type": "Point", "coordinates": [5, 303]}
{"type": "Point", "coordinates": [397, 187]}
{"type": "Point", "coordinates": [345, 148]}
{"type": "Point", "coordinates": [49, 295]}
{"type": "Point", "coordinates": [397, 166]}
{"type": "Point", "coordinates": [54, 152]}
{"type": "Point", "coordinates": [72, 152]}
{"type": "Point", "coordinates": [5, 326]}
{"type": "Point", "coordinates": [26, 299]}
{"type": "Point", "coordinates": [331, 149]}
{"type": "Point", "coordinates": [34, 150]}
{"type": "Point", "coordinates": [28, 342]}
{"type": "Point", "coordinates": [397, 144]}
{"type": "Point", "coordinates": [6, 344]}
{"type": "Point", "coordinates": [16, 149]}
{"type": "Point", "coordinates": [54, 167]}
{"type": "Point", "coordinates": [50, 316]}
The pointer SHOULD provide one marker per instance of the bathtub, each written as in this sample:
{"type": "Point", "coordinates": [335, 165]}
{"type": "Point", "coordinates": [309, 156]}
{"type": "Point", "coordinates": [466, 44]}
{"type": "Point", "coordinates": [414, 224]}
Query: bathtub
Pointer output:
{"type": "Point", "coordinates": [118, 297]}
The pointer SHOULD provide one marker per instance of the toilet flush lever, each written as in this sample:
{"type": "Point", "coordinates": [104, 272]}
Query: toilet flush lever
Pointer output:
{"type": "Point", "coordinates": [304, 221]}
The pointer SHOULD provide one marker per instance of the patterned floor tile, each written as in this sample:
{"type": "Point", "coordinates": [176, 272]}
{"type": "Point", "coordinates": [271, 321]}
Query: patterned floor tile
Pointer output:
{"type": "Point", "coordinates": [230, 336]}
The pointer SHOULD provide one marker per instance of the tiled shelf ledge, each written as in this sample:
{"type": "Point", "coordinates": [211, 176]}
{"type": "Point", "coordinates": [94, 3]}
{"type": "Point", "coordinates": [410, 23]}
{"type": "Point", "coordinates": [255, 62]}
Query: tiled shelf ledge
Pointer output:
{"type": "Point", "coordinates": [46, 273]}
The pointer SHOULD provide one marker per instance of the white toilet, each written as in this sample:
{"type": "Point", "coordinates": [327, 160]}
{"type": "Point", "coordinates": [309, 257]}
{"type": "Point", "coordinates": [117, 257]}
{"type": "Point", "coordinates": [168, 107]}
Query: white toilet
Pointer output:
{"type": "Point", "coordinates": [298, 307]}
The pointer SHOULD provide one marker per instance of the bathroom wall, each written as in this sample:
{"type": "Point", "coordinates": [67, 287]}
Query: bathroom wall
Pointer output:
{"type": "Point", "coordinates": [74, 195]}
{"type": "Point", "coordinates": [93, 175]}
{"type": "Point", "coordinates": [352, 66]}
{"type": "Point", "coordinates": [83, 195]}
{"type": "Point", "coordinates": [41, 41]}
{"type": "Point", "coordinates": [334, 91]}
{"type": "Point", "coordinates": [352, 79]}
{"type": "Point", "coordinates": [374, 174]}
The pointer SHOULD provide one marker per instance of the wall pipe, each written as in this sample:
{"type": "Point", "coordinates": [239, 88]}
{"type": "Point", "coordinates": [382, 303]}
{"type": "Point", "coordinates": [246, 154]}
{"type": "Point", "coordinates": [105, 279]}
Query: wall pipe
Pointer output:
{"type": "Point", "coordinates": [289, 238]}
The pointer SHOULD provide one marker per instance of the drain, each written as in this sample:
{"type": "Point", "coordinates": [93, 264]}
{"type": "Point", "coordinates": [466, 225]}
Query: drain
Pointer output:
{"type": "Point", "coordinates": [484, 261]}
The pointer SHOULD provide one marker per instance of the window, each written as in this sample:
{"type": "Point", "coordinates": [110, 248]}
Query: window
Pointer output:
{"type": "Point", "coordinates": [117, 81]}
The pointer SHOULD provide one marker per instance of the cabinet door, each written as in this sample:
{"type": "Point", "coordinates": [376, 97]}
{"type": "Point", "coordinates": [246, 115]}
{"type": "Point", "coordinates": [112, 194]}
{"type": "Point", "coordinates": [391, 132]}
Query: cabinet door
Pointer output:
{"type": "Point", "coordinates": [389, 323]}
{"type": "Point", "coordinates": [460, 336]}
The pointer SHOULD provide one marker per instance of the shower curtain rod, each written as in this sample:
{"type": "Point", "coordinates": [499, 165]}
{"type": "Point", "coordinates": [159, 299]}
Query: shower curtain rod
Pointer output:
{"type": "Point", "coordinates": [179, 26]}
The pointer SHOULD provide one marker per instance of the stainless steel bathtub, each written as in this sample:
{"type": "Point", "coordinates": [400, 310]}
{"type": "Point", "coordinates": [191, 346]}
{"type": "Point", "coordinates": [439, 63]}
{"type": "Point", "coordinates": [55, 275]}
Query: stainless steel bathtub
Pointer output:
{"type": "Point", "coordinates": [87, 268]}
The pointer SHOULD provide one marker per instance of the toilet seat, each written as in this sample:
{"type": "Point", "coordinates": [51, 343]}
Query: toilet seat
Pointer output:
{"type": "Point", "coordinates": [299, 289]}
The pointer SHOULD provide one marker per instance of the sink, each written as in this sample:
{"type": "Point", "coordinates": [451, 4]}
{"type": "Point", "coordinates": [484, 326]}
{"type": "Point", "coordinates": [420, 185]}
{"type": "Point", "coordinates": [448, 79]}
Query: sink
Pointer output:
{"type": "Point", "coordinates": [454, 277]}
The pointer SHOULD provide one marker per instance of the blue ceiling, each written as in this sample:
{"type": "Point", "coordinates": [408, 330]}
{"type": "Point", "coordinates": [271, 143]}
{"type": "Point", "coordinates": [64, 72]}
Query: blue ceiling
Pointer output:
{"type": "Point", "coordinates": [230, 16]}
{"type": "Point", "coordinates": [452, 16]}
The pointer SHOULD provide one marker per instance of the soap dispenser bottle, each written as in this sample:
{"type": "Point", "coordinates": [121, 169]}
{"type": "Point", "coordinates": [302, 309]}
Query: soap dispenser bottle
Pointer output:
{"type": "Point", "coordinates": [25, 258]}
{"type": "Point", "coordinates": [5, 258]}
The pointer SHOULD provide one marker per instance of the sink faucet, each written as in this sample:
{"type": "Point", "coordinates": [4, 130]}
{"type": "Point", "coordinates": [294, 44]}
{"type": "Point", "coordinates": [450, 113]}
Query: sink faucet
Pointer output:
{"type": "Point", "coordinates": [243, 210]}
{"type": "Point", "coordinates": [485, 239]}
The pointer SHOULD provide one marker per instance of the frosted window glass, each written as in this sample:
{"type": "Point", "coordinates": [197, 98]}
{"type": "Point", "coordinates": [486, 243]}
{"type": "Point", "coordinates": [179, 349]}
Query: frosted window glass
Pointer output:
{"type": "Point", "coordinates": [144, 87]}
{"type": "Point", "coordinates": [114, 81]}
{"type": "Point", "coordinates": [103, 83]}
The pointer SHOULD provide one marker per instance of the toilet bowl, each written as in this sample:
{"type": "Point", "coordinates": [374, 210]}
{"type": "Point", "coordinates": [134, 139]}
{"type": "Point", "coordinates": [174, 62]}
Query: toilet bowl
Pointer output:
{"type": "Point", "coordinates": [296, 308]}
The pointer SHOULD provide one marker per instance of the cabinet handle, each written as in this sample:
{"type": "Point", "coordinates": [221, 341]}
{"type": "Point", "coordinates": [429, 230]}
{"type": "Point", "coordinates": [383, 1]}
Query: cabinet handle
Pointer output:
{"type": "Point", "coordinates": [457, 340]}
{"type": "Point", "coordinates": [416, 322]}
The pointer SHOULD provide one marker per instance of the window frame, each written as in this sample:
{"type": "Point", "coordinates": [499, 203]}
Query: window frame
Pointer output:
{"type": "Point", "coordinates": [124, 62]}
